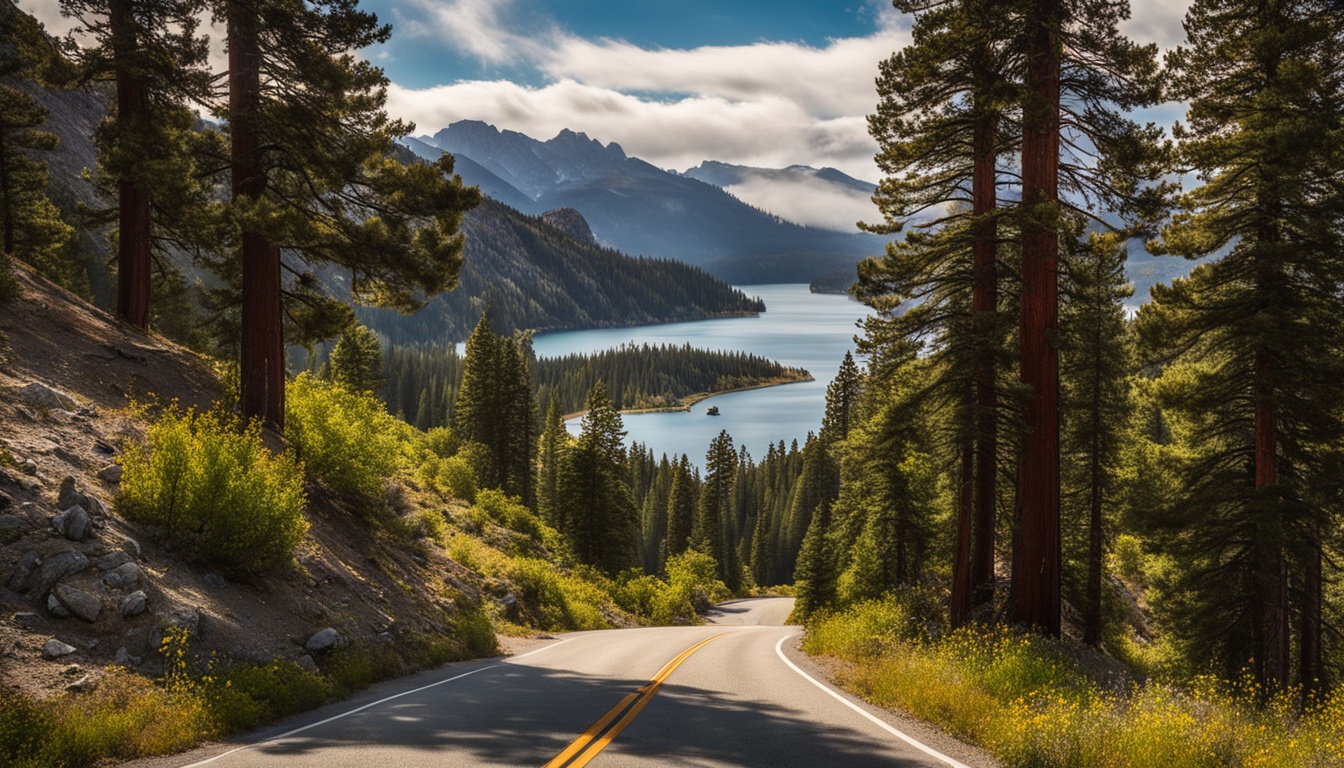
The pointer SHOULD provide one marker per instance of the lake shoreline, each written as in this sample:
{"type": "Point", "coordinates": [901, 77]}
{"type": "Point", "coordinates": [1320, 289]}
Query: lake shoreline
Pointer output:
{"type": "Point", "coordinates": [690, 401]}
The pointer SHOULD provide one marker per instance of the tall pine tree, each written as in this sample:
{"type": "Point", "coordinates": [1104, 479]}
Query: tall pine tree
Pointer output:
{"type": "Point", "coordinates": [1253, 338]}
{"type": "Point", "coordinates": [311, 173]}
{"type": "Point", "coordinates": [149, 51]}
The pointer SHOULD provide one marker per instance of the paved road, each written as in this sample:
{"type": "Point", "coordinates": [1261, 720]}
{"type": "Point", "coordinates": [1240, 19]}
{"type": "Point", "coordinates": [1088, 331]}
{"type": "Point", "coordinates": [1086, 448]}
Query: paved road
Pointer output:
{"type": "Point", "coordinates": [724, 694]}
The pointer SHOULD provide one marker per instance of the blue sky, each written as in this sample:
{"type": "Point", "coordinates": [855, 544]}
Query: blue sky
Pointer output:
{"type": "Point", "coordinates": [420, 62]}
{"type": "Point", "coordinates": [766, 83]}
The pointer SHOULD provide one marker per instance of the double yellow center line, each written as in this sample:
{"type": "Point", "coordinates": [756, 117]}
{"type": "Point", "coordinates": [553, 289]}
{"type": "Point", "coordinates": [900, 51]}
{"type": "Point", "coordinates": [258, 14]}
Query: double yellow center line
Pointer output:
{"type": "Point", "coordinates": [599, 734]}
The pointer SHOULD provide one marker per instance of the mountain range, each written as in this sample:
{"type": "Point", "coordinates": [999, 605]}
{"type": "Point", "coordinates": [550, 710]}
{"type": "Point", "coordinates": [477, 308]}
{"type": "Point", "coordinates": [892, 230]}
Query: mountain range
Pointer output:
{"type": "Point", "coordinates": [639, 208]}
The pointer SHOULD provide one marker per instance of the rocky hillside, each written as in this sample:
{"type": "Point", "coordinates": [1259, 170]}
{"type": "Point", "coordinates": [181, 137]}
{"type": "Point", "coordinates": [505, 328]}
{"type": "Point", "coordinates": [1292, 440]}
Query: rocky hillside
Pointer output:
{"type": "Point", "coordinates": [82, 588]}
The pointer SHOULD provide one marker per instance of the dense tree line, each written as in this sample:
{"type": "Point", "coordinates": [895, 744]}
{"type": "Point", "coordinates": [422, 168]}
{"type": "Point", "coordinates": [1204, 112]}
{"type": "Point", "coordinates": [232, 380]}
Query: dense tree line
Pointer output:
{"type": "Point", "coordinates": [421, 381]}
{"type": "Point", "coordinates": [654, 376]}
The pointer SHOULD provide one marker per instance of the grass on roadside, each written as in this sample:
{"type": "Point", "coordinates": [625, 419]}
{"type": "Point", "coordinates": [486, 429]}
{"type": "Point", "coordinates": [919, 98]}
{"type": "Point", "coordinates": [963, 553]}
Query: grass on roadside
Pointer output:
{"type": "Point", "coordinates": [1026, 701]}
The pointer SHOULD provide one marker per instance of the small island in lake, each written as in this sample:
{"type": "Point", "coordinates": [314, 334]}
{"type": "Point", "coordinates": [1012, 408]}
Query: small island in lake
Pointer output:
{"type": "Point", "coordinates": [712, 410]}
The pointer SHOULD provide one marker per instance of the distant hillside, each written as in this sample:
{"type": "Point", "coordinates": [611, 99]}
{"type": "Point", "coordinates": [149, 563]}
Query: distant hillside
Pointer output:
{"type": "Point", "coordinates": [540, 275]}
{"type": "Point", "coordinates": [815, 197]}
{"type": "Point", "coordinates": [639, 208]}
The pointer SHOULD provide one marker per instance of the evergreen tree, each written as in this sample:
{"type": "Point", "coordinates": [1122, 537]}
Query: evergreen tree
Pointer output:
{"type": "Point", "coordinates": [1252, 339]}
{"type": "Point", "coordinates": [149, 50]}
{"type": "Point", "coordinates": [31, 228]}
{"type": "Point", "coordinates": [310, 172]}
{"type": "Point", "coordinates": [550, 455]}
{"type": "Point", "coordinates": [1079, 155]}
{"type": "Point", "coordinates": [495, 407]}
{"type": "Point", "coordinates": [357, 360]}
{"type": "Point", "coordinates": [596, 503]}
{"type": "Point", "coordinates": [1095, 365]}
{"type": "Point", "coordinates": [943, 123]}
{"type": "Point", "coordinates": [476, 413]}
{"type": "Point", "coordinates": [682, 496]}
{"type": "Point", "coordinates": [715, 527]}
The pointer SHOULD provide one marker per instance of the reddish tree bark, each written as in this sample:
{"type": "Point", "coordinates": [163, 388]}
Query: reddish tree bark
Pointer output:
{"type": "Point", "coordinates": [262, 363]}
{"type": "Point", "coordinates": [1273, 660]}
{"type": "Point", "coordinates": [133, 258]}
{"type": "Point", "coordinates": [1036, 572]}
{"type": "Point", "coordinates": [1310, 662]}
{"type": "Point", "coordinates": [984, 304]}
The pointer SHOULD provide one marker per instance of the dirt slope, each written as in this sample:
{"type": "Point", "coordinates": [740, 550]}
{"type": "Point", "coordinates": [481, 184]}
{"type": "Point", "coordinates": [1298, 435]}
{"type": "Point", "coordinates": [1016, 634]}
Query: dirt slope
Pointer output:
{"type": "Point", "coordinates": [66, 373]}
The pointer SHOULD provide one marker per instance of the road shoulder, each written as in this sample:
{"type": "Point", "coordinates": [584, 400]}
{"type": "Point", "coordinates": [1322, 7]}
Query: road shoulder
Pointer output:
{"type": "Point", "coordinates": [824, 670]}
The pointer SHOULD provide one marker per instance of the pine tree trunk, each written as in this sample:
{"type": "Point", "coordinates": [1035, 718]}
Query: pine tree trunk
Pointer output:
{"type": "Point", "coordinates": [984, 305]}
{"type": "Point", "coordinates": [1310, 669]}
{"type": "Point", "coordinates": [262, 361]}
{"type": "Point", "coordinates": [1274, 656]}
{"type": "Point", "coordinates": [133, 259]}
{"type": "Point", "coordinates": [1037, 567]}
{"type": "Point", "coordinates": [961, 558]}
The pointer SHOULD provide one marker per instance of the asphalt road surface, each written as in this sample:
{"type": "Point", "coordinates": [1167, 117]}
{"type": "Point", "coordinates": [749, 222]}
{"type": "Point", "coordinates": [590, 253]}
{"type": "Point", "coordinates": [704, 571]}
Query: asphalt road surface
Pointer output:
{"type": "Point", "coordinates": [730, 693]}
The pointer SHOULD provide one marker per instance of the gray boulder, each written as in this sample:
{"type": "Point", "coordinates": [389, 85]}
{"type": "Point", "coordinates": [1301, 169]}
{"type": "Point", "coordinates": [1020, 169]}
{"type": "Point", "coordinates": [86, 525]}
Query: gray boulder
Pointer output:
{"type": "Point", "coordinates": [56, 568]}
{"type": "Point", "coordinates": [111, 473]}
{"type": "Point", "coordinates": [215, 580]}
{"type": "Point", "coordinates": [110, 562]}
{"type": "Point", "coordinates": [25, 619]}
{"type": "Point", "coordinates": [325, 640]}
{"type": "Point", "coordinates": [70, 496]}
{"type": "Point", "coordinates": [306, 662]}
{"type": "Point", "coordinates": [43, 396]}
{"type": "Point", "coordinates": [134, 604]}
{"type": "Point", "coordinates": [23, 571]}
{"type": "Point", "coordinates": [56, 608]}
{"type": "Point", "coordinates": [74, 523]}
{"type": "Point", "coordinates": [55, 649]}
{"type": "Point", "coordinates": [124, 576]}
{"type": "Point", "coordinates": [83, 604]}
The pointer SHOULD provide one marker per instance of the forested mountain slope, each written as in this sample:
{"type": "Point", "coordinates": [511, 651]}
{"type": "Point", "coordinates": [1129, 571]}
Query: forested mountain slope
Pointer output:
{"type": "Point", "coordinates": [532, 274]}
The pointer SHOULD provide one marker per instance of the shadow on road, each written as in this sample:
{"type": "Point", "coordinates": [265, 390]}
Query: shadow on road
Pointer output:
{"type": "Point", "coordinates": [518, 715]}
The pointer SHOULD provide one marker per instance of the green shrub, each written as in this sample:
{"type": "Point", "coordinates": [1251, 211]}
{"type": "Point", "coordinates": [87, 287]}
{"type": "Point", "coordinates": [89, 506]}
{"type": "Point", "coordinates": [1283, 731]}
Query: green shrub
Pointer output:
{"type": "Point", "coordinates": [23, 728]}
{"type": "Point", "coordinates": [246, 695]}
{"type": "Point", "coordinates": [451, 478]}
{"type": "Point", "coordinates": [215, 489]}
{"type": "Point", "coordinates": [346, 439]}
{"type": "Point", "coordinates": [439, 441]}
{"type": "Point", "coordinates": [474, 631]}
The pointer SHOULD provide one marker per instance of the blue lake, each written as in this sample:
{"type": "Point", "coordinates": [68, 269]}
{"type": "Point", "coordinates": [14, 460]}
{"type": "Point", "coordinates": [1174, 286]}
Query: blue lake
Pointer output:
{"type": "Point", "coordinates": [799, 328]}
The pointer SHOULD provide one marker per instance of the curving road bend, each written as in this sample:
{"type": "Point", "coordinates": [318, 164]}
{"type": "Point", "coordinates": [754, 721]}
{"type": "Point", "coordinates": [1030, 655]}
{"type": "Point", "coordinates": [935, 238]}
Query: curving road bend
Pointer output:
{"type": "Point", "coordinates": [734, 692]}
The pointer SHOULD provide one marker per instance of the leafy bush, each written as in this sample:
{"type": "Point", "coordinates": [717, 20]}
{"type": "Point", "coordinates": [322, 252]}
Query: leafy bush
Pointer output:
{"type": "Point", "coordinates": [216, 489]}
{"type": "Point", "coordinates": [346, 439]}
{"type": "Point", "coordinates": [451, 478]}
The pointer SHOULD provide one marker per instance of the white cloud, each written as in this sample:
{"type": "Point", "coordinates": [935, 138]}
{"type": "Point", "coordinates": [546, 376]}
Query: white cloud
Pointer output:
{"type": "Point", "coordinates": [809, 201]}
{"type": "Point", "coordinates": [768, 131]}
{"type": "Point", "coordinates": [1157, 21]}
{"type": "Point", "coordinates": [767, 104]}
{"type": "Point", "coordinates": [483, 28]}
{"type": "Point", "coordinates": [829, 81]}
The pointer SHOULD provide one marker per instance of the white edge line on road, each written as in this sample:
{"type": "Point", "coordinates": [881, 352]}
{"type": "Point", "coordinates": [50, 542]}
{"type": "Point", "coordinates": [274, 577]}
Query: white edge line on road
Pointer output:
{"type": "Point", "coordinates": [287, 734]}
{"type": "Point", "coordinates": [779, 651]}
{"type": "Point", "coordinates": [539, 650]}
